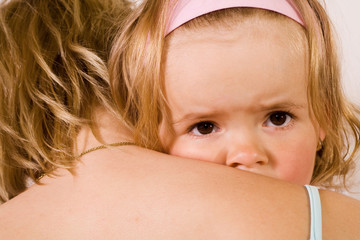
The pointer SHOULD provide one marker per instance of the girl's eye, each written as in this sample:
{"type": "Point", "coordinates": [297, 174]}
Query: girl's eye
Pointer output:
{"type": "Point", "coordinates": [278, 119]}
{"type": "Point", "coordinates": [203, 128]}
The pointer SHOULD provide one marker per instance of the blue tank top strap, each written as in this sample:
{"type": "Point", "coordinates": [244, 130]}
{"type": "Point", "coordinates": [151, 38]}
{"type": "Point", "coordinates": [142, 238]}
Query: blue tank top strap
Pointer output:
{"type": "Point", "coordinates": [315, 209]}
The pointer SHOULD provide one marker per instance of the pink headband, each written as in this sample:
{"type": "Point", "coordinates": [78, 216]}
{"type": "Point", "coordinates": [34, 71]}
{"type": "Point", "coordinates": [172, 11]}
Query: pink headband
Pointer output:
{"type": "Point", "coordinates": [186, 10]}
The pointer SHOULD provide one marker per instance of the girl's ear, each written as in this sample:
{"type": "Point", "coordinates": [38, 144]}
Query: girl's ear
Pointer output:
{"type": "Point", "coordinates": [322, 134]}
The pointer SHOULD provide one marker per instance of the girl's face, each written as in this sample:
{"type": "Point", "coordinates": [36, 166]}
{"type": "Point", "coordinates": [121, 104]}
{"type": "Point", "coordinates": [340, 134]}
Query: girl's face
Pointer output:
{"type": "Point", "coordinates": [238, 97]}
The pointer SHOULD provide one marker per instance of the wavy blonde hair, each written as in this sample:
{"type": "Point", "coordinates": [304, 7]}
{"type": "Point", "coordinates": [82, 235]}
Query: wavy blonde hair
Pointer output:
{"type": "Point", "coordinates": [138, 87]}
{"type": "Point", "coordinates": [53, 73]}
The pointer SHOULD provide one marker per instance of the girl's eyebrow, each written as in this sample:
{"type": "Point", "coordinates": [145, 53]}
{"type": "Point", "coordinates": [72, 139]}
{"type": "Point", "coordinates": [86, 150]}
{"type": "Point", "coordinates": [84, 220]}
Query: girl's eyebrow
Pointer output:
{"type": "Point", "coordinates": [281, 105]}
{"type": "Point", "coordinates": [195, 115]}
{"type": "Point", "coordinates": [203, 115]}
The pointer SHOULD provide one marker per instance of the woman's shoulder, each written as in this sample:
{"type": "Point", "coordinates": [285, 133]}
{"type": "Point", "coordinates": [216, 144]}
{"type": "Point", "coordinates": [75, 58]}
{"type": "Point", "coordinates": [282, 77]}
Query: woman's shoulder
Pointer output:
{"type": "Point", "coordinates": [341, 216]}
{"type": "Point", "coordinates": [123, 193]}
{"type": "Point", "coordinates": [132, 193]}
{"type": "Point", "coordinates": [113, 193]}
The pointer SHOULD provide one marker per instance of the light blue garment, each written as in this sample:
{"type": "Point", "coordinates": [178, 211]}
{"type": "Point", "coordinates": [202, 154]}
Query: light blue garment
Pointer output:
{"type": "Point", "coordinates": [315, 209]}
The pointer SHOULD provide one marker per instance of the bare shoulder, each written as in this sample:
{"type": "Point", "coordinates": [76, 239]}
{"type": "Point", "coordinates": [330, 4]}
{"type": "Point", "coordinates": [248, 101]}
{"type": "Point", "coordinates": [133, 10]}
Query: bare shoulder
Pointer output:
{"type": "Point", "coordinates": [131, 193]}
{"type": "Point", "coordinates": [341, 216]}
{"type": "Point", "coordinates": [41, 212]}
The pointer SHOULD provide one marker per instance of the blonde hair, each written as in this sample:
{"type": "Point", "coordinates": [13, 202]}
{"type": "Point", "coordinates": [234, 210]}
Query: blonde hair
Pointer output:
{"type": "Point", "coordinates": [53, 73]}
{"type": "Point", "coordinates": [136, 60]}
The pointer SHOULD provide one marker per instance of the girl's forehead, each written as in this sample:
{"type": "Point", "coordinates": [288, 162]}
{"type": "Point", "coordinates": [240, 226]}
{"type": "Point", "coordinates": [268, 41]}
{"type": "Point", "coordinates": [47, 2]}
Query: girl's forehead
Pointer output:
{"type": "Point", "coordinates": [246, 42]}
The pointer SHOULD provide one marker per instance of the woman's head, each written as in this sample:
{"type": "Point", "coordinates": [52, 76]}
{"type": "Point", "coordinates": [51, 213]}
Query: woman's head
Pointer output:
{"type": "Point", "coordinates": [312, 43]}
{"type": "Point", "coordinates": [53, 74]}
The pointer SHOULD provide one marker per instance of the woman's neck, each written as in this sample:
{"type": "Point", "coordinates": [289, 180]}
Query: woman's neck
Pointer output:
{"type": "Point", "coordinates": [107, 129]}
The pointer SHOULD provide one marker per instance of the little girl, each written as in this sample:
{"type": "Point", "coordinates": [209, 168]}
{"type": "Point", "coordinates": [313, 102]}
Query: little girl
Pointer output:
{"type": "Point", "coordinates": [249, 84]}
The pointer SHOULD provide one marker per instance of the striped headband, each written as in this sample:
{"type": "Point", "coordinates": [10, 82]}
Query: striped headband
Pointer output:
{"type": "Point", "coordinates": [186, 10]}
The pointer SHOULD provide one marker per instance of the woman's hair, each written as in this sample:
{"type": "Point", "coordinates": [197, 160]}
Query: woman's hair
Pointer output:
{"type": "Point", "coordinates": [53, 74]}
{"type": "Point", "coordinates": [139, 50]}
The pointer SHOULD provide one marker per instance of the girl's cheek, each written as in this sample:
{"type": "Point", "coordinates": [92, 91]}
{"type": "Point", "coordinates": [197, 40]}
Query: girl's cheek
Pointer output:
{"type": "Point", "coordinates": [180, 147]}
{"type": "Point", "coordinates": [189, 149]}
{"type": "Point", "coordinates": [300, 168]}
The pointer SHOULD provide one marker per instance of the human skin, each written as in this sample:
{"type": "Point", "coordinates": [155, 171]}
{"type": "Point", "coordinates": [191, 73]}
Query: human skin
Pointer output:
{"type": "Point", "coordinates": [240, 98]}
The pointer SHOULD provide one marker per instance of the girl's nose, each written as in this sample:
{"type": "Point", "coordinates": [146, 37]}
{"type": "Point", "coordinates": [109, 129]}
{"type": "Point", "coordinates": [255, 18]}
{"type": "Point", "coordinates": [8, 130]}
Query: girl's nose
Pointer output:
{"type": "Point", "coordinates": [248, 154]}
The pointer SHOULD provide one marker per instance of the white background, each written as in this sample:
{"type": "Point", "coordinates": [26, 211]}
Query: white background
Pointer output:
{"type": "Point", "coordinates": [346, 18]}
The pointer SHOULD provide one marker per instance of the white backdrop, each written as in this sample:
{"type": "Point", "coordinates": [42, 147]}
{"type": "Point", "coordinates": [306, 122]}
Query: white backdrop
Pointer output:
{"type": "Point", "coordinates": [346, 18]}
